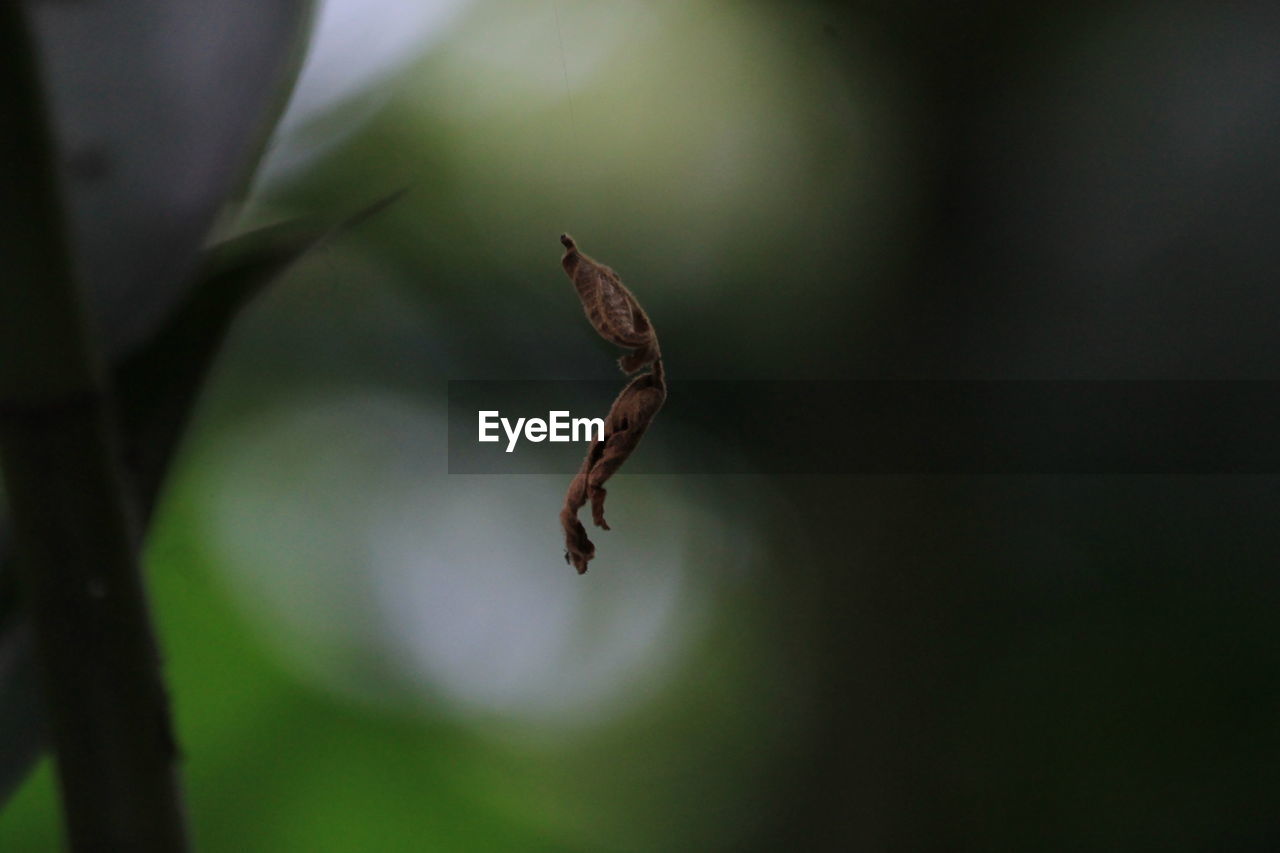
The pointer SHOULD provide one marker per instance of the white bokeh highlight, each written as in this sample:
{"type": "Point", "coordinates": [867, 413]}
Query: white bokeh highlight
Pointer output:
{"type": "Point", "coordinates": [343, 536]}
{"type": "Point", "coordinates": [356, 47]}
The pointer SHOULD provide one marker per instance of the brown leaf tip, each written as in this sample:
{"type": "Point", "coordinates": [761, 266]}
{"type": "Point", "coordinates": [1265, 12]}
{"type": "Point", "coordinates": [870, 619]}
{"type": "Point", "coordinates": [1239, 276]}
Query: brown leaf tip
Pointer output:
{"type": "Point", "coordinates": [572, 257]}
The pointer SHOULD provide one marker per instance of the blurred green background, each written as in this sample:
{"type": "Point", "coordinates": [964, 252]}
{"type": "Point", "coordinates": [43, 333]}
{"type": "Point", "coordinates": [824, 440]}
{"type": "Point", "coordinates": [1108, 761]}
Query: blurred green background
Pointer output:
{"type": "Point", "coordinates": [367, 653]}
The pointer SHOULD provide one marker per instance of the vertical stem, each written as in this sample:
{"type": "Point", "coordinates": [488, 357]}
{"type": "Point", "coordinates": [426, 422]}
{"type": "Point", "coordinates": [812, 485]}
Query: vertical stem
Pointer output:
{"type": "Point", "coordinates": [76, 549]}
{"type": "Point", "coordinates": [108, 711]}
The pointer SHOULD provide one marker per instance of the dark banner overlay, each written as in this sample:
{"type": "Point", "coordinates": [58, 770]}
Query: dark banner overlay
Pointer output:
{"type": "Point", "coordinates": [891, 427]}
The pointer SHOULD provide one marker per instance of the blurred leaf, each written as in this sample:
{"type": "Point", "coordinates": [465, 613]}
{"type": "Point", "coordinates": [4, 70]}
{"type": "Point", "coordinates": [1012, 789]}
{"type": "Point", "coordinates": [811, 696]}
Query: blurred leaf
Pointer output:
{"type": "Point", "coordinates": [158, 108]}
{"type": "Point", "coordinates": [157, 386]}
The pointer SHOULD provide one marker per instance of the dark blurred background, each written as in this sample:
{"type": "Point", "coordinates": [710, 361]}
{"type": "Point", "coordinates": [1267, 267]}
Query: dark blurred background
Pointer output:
{"type": "Point", "coordinates": [368, 653]}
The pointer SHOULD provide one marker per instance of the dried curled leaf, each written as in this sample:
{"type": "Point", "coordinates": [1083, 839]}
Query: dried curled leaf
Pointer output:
{"type": "Point", "coordinates": [610, 307]}
{"type": "Point", "coordinates": [618, 317]}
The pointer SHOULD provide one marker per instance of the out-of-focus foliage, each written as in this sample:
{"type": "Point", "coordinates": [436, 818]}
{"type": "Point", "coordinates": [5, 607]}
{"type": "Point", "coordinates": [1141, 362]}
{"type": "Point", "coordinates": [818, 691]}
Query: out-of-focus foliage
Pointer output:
{"type": "Point", "coordinates": [369, 653]}
{"type": "Point", "coordinates": [145, 141]}
{"type": "Point", "coordinates": [156, 109]}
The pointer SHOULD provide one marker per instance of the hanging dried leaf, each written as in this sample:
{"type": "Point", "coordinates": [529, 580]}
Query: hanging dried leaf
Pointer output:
{"type": "Point", "coordinates": [618, 317]}
{"type": "Point", "coordinates": [610, 307]}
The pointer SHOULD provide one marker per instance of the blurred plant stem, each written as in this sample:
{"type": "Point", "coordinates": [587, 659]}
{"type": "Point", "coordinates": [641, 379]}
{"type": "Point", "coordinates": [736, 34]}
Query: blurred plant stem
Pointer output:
{"type": "Point", "coordinates": [108, 711]}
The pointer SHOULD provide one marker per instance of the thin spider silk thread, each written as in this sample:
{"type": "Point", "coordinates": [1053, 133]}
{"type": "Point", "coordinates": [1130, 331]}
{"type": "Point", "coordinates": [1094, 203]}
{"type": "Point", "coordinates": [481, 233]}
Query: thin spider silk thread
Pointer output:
{"type": "Point", "coordinates": [567, 172]}
{"type": "Point", "coordinates": [564, 67]}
